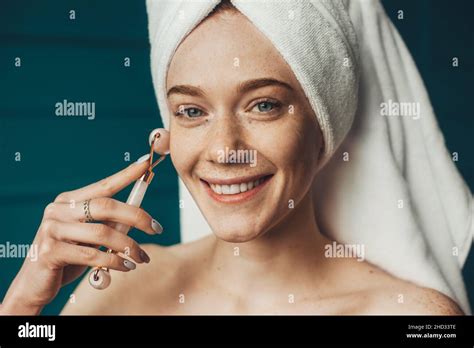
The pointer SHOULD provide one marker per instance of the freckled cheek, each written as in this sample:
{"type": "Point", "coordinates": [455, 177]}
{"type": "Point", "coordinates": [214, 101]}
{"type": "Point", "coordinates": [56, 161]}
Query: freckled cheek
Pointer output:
{"type": "Point", "coordinates": [184, 151]}
{"type": "Point", "coordinates": [279, 144]}
{"type": "Point", "coordinates": [293, 153]}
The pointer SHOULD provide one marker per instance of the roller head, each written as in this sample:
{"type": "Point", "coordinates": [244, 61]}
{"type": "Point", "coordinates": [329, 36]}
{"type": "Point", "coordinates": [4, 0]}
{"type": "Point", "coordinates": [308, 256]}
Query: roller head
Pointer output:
{"type": "Point", "coordinates": [99, 278]}
{"type": "Point", "coordinates": [162, 144]}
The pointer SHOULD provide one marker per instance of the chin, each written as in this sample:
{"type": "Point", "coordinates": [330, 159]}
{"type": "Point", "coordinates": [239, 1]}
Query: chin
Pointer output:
{"type": "Point", "coordinates": [236, 233]}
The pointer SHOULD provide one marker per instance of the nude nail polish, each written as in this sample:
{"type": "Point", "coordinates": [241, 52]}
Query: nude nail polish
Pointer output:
{"type": "Point", "coordinates": [155, 225]}
{"type": "Point", "coordinates": [143, 158]}
{"type": "Point", "coordinates": [144, 256]}
{"type": "Point", "coordinates": [129, 264]}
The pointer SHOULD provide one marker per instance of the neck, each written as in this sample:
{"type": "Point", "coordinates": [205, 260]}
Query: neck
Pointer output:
{"type": "Point", "coordinates": [293, 251]}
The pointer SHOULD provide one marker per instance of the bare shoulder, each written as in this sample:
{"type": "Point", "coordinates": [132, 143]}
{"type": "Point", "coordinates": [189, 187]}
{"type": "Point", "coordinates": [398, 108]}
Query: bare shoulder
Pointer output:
{"type": "Point", "coordinates": [154, 282]}
{"type": "Point", "coordinates": [404, 298]}
{"type": "Point", "coordinates": [374, 291]}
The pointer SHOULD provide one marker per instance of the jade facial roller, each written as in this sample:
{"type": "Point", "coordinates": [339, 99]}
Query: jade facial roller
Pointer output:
{"type": "Point", "coordinates": [99, 277]}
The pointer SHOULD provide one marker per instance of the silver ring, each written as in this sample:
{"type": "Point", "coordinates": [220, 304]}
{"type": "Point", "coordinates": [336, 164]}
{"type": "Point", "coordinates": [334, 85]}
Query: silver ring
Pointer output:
{"type": "Point", "coordinates": [87, 211]}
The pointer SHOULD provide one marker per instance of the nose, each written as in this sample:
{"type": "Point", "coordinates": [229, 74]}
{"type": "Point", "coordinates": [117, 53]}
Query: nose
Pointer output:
{"type": "Point", "coordinates": [225, 133]}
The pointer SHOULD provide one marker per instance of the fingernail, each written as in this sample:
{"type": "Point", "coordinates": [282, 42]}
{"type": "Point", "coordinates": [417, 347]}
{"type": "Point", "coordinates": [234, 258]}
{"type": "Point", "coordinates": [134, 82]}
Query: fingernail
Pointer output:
{"type": "Point", "coordinates": [155, 225]}
{"type": "Point", "coordinates": [144, 256]}
{"type": "Point", "coordinates": [129, 264]}
{"type": "Point", "coordinates": [143, 158]}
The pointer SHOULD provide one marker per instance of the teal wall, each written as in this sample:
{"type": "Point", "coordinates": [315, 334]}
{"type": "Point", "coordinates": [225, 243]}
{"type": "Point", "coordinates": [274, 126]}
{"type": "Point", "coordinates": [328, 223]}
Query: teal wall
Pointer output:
{"type": "Point", "coordinates": [82, 60]}
{"type": "Point", "coordinates": [79, 60]}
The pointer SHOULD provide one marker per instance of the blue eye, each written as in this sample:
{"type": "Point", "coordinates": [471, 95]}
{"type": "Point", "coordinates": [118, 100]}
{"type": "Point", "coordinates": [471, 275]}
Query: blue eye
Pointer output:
{"type": "Point", "coordinates": [266, 106]}
{"type": "Point", "coordinates": [189, 112]}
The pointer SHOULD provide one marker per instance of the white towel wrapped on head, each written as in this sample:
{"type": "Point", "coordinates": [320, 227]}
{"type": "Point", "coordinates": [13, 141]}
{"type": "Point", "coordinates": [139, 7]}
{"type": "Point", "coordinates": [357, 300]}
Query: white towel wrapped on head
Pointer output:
{"type": "Point", "coordinates": [386, 180]}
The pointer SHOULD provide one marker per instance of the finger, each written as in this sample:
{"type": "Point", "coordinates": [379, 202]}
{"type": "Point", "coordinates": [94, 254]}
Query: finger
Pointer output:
{"type": "Point", "coordinates": [109, 186]}
{"type": "Point", "coordinates": [100, 235]}
{"type": "Point", "coordinates": [105, 209]}
{"type": "Point", "coordinates": [68, 254]}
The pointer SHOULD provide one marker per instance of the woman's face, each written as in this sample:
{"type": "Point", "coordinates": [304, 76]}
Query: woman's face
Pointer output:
{"type": "Point", "coordinates": [245, 145]}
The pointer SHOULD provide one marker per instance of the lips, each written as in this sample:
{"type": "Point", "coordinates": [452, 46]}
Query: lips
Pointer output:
{"type": "Point", "coordinates": [236, 189]}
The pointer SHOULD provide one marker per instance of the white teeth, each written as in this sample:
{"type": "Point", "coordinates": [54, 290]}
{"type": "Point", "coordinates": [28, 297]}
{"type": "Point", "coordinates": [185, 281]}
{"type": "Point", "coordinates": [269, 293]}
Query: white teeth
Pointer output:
{"type": "Point", "coordinates": [217, 188]}
{"type": "Point", "coordinates": [235, 188]}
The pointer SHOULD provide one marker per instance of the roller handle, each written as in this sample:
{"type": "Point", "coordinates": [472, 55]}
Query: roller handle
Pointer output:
{"type": "Point", "coordinates": [99, 277]}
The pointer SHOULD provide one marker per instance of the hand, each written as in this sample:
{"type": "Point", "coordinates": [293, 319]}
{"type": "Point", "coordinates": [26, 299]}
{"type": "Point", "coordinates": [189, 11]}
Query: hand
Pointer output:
{"type": "Point", "coordinates": [67, 245]}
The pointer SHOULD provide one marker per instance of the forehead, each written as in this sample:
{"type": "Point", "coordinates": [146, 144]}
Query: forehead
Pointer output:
{"type": "Point", "coordinates": [226, 47]}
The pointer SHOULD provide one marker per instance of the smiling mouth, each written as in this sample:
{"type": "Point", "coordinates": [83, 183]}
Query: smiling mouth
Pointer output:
{"type": "Point", "coordinates": [235, 190]}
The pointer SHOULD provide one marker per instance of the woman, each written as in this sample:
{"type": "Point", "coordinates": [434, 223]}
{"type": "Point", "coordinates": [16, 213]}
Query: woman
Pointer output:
{"type": "Point", "coordinates": [227, 87]}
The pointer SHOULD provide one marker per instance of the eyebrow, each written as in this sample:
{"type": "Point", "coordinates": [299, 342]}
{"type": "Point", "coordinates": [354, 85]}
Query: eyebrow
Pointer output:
{"type": "Point", "coordinates": [242, 88]}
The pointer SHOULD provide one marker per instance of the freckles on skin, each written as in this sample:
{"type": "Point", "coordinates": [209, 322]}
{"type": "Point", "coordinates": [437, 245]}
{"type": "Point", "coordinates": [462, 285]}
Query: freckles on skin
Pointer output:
{"type": "Point", "coordinates": [286, 144]}
{"type": "Point", "coordinates": [184, 150]}
{"type": "Point", "coordinates": [294, 145]}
